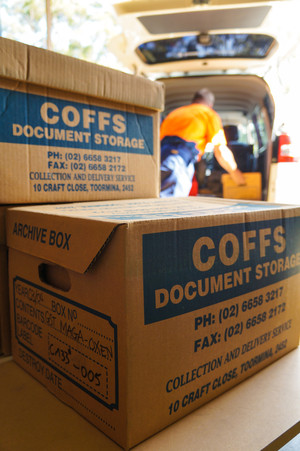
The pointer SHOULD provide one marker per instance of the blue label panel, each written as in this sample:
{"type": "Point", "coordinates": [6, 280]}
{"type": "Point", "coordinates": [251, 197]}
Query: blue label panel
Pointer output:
{"type": "Point", "coordinates": [188, 270]}
{"type": "Point", "coordinates": [45, 121]}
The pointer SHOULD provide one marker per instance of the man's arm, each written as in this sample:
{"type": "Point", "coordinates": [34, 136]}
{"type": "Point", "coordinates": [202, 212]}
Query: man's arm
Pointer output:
{"type": "Point", "coordinates": [226, 159]}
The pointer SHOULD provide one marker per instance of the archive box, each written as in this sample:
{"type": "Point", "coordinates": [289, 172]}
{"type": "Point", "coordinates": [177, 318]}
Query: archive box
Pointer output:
{"type": "Point", "coordinates": [75, 131]}
{"type": "Point", "coordinates": [137, 312]}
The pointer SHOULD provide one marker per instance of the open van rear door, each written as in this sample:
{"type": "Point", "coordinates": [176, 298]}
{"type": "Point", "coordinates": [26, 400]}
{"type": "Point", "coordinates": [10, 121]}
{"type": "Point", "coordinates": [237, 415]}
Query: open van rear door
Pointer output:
{"type": "Point", "coordinates": [147, 24]}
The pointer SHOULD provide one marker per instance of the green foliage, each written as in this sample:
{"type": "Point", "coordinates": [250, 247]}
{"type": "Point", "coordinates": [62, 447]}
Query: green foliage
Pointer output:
{"type": "Point", "coordinates": [79, 28]}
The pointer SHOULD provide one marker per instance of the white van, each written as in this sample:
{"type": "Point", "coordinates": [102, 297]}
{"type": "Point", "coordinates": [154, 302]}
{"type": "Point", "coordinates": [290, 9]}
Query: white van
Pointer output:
{"type": "Point", "coordinates": [230, 47]}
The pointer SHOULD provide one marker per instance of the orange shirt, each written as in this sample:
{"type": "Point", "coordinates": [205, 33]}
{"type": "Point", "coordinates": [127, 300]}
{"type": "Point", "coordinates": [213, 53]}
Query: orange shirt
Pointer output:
{"type": "Point", "coordinates": [195, 122]}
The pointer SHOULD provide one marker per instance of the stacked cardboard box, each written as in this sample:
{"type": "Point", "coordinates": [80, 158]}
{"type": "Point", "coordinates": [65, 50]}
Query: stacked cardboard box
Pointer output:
{"type": "Point", "coordinates": [137, 312]}
{"type": "Point", "coordinates": [72, 131]}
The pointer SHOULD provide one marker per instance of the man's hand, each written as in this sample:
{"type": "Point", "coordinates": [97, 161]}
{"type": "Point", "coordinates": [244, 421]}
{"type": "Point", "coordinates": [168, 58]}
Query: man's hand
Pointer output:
{"type": "Point", "coordinates": [226, 159]}
{"type": "Point", "coordinates": [238, 177]}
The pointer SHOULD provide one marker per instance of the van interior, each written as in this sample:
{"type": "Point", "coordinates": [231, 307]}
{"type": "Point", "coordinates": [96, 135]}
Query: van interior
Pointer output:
{"type": "Point", "coordinates": [246, 107]}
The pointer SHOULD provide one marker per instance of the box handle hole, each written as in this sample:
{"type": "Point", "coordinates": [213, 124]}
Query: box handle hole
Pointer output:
{"type": "Point", "coordinates": [55, 276]}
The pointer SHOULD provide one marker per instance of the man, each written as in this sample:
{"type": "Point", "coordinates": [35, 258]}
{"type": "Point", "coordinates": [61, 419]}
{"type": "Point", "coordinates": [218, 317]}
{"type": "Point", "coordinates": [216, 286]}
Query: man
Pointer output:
{"type": "Point", "coordinates": [184, 134]}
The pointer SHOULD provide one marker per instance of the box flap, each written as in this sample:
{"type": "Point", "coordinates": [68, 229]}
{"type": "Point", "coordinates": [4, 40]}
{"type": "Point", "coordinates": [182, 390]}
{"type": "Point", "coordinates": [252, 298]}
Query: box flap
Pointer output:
{"type": "Point", "coordinates": [72, 242]}
{"type": "Point", "coordinates": [46, 68]}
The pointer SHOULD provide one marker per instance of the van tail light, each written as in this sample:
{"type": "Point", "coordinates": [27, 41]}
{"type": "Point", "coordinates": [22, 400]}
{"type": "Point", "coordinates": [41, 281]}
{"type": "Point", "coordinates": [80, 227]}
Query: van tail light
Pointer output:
{"type": "Point", "coordinates": [285, 149]}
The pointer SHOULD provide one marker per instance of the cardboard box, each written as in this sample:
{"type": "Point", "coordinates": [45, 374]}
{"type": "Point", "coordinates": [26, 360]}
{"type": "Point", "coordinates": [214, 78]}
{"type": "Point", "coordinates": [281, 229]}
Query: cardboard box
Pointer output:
{"type": "Point", "coordinates": [137, 312]}
{"type": "Point", "coordinates": [5, 341]}
{"type": "Point", "coordinates": [251, 191]}
{"type": "Point", "coordinates": [75, 131]}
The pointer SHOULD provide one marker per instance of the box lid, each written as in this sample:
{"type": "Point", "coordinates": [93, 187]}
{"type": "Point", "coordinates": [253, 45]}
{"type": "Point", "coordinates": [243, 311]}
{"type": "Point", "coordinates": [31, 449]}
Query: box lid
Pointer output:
{"type": "Point", "coordinates": [74, 235]}
{"type": "Point", "coordinates": [30, 64]}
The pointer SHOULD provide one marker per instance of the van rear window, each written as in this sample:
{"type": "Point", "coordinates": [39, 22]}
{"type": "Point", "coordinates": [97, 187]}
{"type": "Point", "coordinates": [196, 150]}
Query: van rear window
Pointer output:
{"type": "Point", "coordinates": [205, 46]}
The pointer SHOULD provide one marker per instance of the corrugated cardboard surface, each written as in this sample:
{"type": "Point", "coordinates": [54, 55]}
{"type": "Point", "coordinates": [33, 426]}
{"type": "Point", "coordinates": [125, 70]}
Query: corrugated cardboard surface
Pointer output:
{"type": "Point", "coordinates": [75, 131]}
{"type": "Point", "coordinates": [248, 417]}
{"type": "Point", "coordinates": [5, 341]}
{"type": "Point", "coordinates": [182, 300]}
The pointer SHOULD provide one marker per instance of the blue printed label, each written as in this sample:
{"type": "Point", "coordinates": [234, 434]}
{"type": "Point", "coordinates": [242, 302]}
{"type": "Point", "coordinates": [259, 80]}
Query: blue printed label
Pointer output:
{"type": "Point", "coordinates": [45, 121]}
{"type": "Point", "coordinates": [188, 270]}
{"type": "Point", "coordinates": [66, 342]}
